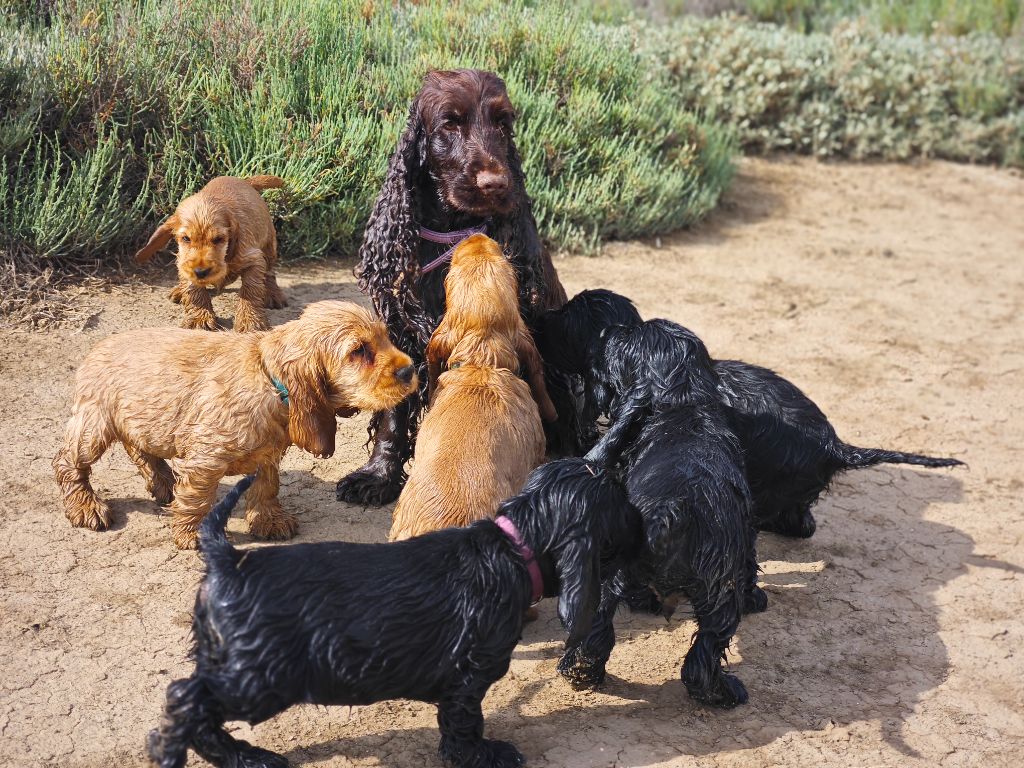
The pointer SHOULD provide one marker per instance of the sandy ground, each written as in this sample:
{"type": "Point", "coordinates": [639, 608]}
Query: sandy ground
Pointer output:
{"type": "Point", "coordinates": [892, 294]}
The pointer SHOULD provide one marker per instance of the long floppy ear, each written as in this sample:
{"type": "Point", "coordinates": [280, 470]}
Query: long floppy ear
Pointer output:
{"type": "Point", "coordinates": [438, 351]}
{"type": "Point", "coordinates": [388, 268]}
{"type": "Point", "coordinates": [531, 364]}
{"type": "Point", "coordinates": [231, 253]}
{"type": "Point", "coordinates": [579, 578]}
{"type": "Point", "coordinates": [629, 412]}
{"type": "Point", "coordinates": [157, 240]}
{"type": "Point", "coordinates": [311, 422]}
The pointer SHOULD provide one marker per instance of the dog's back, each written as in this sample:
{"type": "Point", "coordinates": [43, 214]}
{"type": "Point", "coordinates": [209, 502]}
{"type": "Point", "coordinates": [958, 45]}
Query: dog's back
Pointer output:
{"type": "Point", "coordinates": [478, 443]}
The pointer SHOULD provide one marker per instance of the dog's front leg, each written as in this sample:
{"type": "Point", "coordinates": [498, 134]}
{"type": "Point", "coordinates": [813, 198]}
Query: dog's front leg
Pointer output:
{"type": "Point", "coordinates": [198, 307]}
{"type": "Point", "coordinates": [251, 314]}
{"type": "Point", "coordinates": [380, 480]}
{"type": "Point", "coordinates": [195, 488]}
{"type": "Point", "coordinates": [264, 514]}
{"type": "Point", "coordinates": [463, 745]}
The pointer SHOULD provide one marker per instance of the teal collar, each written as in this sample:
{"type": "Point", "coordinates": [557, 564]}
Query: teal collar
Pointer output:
{"type": "Point", "coordinates": [282, 390]}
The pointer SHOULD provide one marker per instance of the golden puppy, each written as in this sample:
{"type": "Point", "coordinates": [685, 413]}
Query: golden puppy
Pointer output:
{"type": "Point", "coordinates": [224, 231]}
{"type": "Point", "coordinates": [482, 434]}
{"type": "Point", "coordinates": [224, 404]}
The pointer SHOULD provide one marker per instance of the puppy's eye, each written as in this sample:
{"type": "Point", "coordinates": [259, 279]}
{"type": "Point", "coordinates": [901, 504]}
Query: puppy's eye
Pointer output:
{"type": "Point", "coordinates": [218, 240]}
{"type": "Point", "coordinates": [186, 239]}
{"type": "Point", "coordinates": [363, 352]}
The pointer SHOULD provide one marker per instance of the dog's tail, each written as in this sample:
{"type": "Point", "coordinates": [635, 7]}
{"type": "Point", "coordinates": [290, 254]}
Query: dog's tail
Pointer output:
{"type": "Point", "coordinates": [213, 540]}
{"type": "Point", "coordinates": [260, 183]}
{"type": "Point", "coordinates": [855, 458]}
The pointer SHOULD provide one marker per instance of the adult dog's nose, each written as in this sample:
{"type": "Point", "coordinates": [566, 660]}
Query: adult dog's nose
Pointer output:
{"type": "Point", "coordinates": [491, 183]}
{"type": "Point", "coordinates": [201, 273]}
{"type": "Point", "coordinates": [405, 374]}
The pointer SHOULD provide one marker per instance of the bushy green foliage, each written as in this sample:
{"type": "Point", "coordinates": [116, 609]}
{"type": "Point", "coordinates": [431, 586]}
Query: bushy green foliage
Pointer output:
{"type": "Point", "coordinates": [113, 110]}
{"type": "Point", "coordinates": [855, 92]}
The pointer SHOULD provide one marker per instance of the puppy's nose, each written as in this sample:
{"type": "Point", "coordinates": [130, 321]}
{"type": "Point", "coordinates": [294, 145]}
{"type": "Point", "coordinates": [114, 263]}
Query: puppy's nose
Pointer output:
{"type": "Point", "coordinates": [491, 183]}
{"type": "Point", "coordinates": [405, 374]}
{"type": "Point", "coordinates": [201, 273]}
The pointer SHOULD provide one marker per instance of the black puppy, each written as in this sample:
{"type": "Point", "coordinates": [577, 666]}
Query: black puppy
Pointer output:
{"type": "Point", "coordinates": [791, 450]}
{"type": "Point", "coordinates": [684, 473]}
{"type": "Point", "coordinates": [434, 618]}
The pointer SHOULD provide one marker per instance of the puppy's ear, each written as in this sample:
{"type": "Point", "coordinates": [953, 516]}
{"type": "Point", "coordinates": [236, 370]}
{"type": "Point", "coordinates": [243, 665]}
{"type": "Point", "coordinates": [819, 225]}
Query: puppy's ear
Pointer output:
{"type": "Point", "coordinates": [579, 577]}
{"type": "Point", "coordinates": [438, 351]}
{"type": "Point", "coordinates": [531, 365]}
{"type": "Point", "coordinates": [311, 422]}
{"type": "Point", "coordinates": [157, 240]}
{"type": "Point", "coordinates": [231, 253]}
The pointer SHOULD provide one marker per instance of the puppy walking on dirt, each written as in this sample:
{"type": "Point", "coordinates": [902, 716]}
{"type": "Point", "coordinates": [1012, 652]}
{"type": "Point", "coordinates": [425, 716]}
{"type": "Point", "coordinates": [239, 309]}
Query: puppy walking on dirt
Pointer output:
{"type": "Point", "coordinates": [224, 231]}
{"type": "Point", "coordinates": [482, 435]}
{"type": "Point", "coordinates": [224, 404]}
{"type": "Point", "coordinates": [432, 619]}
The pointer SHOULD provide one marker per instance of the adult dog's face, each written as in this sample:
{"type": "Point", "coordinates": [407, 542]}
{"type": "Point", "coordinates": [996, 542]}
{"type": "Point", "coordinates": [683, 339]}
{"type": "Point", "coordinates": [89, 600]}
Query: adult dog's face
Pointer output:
{"type": "Point", "coordinates": [467, 118]}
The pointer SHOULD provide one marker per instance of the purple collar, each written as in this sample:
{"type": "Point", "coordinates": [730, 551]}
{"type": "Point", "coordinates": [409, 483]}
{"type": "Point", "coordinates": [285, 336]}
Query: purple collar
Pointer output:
{"type": "Point", "coordinates": [510, 530]}
{"type": "Point", "coordinates": [448, 238]}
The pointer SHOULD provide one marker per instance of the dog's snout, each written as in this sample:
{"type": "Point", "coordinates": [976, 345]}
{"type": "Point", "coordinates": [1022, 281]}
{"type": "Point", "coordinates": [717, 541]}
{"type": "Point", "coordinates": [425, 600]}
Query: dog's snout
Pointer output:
{"type": "Point", "coordinates": [491, 183]}
{"type": "Point", "coordinates": [405, 374]}
{"type": "Point", "coordinates": [201, 273]}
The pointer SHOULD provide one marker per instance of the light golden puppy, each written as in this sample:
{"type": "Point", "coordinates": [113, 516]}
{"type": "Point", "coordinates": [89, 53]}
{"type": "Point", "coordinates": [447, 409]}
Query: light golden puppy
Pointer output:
{"type": "Point", "coordinates": [224, 231]}
{"type": "Point", "coordinates": [482, 434]}
{"type": "Point", "coordinates": [224, 404]}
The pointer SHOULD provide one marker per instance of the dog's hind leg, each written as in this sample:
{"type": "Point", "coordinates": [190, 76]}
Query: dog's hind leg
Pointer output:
{"type": "Point", "coordinates": [158, 475]}
{"type": "Point", "coordinates": [754, 598]}
{"type": "Point", "coordinates": [584, 665]}
{"type": "Point", "coordinates": [252, 296]}
{"type": "Point", "coordinates": [89, 433]}
{"type": "Point", "coordinates": [461, 722]}
{"type": "Point", "coordinates": [702, 673]}
{"type": "Point", "coordinates": [263, 512]}
{"type": "Point", "coordinates": [192, 718]}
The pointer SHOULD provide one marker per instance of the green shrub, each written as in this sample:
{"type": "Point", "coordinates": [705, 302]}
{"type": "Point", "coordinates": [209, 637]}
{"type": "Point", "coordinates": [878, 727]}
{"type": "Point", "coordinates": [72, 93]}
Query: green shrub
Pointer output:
{"type": "Point", "coordinates": [113, 110]}
{"type": "Point", "coordinates": [855, 92]}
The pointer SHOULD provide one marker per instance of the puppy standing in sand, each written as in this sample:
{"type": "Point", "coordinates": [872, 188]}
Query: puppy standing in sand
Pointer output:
{"type": "Point", "coordinates": [482, 435]}
{"type": "Point", "coordinates": [224, 404]}
{"type": "Point", "coordinates": [224, 231]}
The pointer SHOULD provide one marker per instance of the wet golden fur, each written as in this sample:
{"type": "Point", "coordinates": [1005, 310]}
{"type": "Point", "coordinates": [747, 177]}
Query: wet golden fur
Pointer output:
{"type": "Point", "coordinates": [207, 401]}
{"type": "Point", "coordinates": [482, 434]}
{"type": "Point", "coordinates": [224, 232]}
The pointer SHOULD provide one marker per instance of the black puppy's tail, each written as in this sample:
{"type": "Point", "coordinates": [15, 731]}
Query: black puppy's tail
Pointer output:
{"type": "Point", "coordinates": [855, 458]}
{"type": "Point", "coordinates": [213, 541]}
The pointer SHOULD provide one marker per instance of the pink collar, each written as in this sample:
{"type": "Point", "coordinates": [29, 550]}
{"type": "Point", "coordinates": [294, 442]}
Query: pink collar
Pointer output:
{"type": "Point", "coordinates": [448, 238]}
{"type": "Point", "coordinates": [510, 530]}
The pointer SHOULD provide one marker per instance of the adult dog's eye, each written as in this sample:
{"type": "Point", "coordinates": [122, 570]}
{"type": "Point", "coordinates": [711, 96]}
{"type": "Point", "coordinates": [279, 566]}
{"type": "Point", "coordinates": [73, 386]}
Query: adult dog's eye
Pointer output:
{"type": "Point", "coordinates": [450, 122]}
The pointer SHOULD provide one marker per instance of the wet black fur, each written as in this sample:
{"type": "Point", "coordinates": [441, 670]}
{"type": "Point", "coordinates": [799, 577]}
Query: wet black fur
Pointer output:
{"type": "Point", "coordinates": [434, 618]}
{"type": "Point", "coordinates": [684, 473]}
{"type": "Point", "coordinates": [423, 168]}
{"type": "Point", "coordinates": [790, 449]}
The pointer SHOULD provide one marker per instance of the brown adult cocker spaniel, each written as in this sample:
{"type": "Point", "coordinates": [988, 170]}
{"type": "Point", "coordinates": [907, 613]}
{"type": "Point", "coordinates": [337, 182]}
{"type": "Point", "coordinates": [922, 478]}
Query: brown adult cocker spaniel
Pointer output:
{"type": "Point", "coordinates": [224, 231]}
{"type": "Point", "coordinates": [224, 404]}
{"type": "Point", "coordinates": [482, 434]}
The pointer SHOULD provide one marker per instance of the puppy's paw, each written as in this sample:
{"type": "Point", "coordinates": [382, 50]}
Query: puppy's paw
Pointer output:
{"type": "Point", "coordinates": [755, 600]}
{"type": "Point", "coordinates": [250, 321]}
{"type": "Point", "coordinates": [796, 523]}
{"type": "Point", "coordinates": [254, 757]}
{"type": "Point", "coordinates": [276, 300]}
{"type": "Point", "coordinates": [726, 691]}
{"type": "Point", "coordinates": [368, 489]}
{"type": "Point", "coordinates": [177, 294]}
{"type": "Point", "coordinates": [278, 526]}
{"type": "Point", "coordinates": [185, 535]}
{"type": "Point", "coordinates": [161, 491]}
{"type": "Point", "coordinates": [91, 513]}
{"type": "Point", "coordinates": [500, 754]}
{"type": "Point", "coordinates": [201, 321]}
{"type": "Point", "coordinates": [581, 671]}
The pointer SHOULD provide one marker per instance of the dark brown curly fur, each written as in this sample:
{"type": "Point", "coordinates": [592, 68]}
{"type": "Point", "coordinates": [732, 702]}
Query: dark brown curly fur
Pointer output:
{"type": "Point", "coordinates": [456, 166]}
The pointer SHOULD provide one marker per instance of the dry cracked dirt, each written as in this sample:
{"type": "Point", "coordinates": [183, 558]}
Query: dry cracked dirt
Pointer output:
{"type": "Point", "coordinates": [891, 294]}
